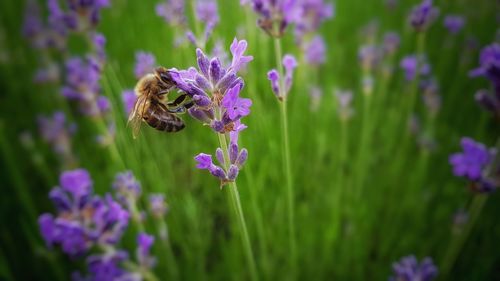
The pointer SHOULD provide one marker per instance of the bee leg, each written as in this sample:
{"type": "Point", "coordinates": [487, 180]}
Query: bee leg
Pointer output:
{"type": "Point", "coordinates": [188, 105]}
{"type": "Point", "coordinates": [179, 100]}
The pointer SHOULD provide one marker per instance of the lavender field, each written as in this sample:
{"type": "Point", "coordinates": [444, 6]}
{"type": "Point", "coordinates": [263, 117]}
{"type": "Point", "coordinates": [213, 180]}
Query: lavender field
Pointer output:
{"type": "Point", "coordinates": [250, 140]}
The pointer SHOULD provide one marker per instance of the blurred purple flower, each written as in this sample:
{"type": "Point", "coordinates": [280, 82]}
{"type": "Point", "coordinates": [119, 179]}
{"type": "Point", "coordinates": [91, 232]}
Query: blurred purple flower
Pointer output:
{"type": "Point", "coordinates": [275, 15]}
{"type": "Point", "coordinates": [82, 219]}
{"type": "Point", "coordinates": [369, 56]}
{"type": "Point", "coordinates": [423, 15]}
{"type": "Point", "coordinates": [315, 51]}
{"type": "Point", "coordinates": [412, 64]}
{"type": "Point", "coordinates": [128, 98]}
{"type": "Point", "coordinates": [409, 269]}
{"type": "Point", "coordinates": [489, 102]}
{"type": "Point", "coordinates": [126, 185]}
{"type": "Point", "coordinates": [454, 23]}
{"type": "Point", "coordinates": [472, 161]}
{"type": "Point", "coordinates": [344, 100]}
{"type": "Point", "coordinates": [57, 133]}
{"type": "Point", "coordinates": [144, 244]}
{"type": "Point", "coordinates": [391, 43]}
{"type": "Point", "coordinates": [144, 63]}
{"type": "Point", "coordinates": [172, 11]}
{"type": "Point", "coordinates": [308, 16]}
{"type": "Point", "coordinates": [107, 266]}
{"type": "Point", "coordinates": [157, 205]}
{"type": "Point", "coordinates": [315, 94]}
{"type": "Point", "coordinates": [489, 65]}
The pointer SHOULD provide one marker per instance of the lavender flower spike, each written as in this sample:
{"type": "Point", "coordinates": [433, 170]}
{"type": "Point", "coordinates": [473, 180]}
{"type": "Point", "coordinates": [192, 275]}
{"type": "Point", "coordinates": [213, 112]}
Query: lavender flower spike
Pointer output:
{"type": "Point", "coordinates": [489, 66]}
{"type": "Point", "coordinates": [409, 269]}
{"type": "Point", "coordinates": [476, 164]}
{"type": "Point", "coordinates": [454, 23]}
{"type": "Point", "coordinates": [423, 15]}
{"type": "Point", "coordinates": [289, 63]}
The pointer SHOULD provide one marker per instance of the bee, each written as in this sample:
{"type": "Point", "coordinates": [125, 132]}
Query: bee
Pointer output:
{"type": "Point", "coordinates": [149, 107]}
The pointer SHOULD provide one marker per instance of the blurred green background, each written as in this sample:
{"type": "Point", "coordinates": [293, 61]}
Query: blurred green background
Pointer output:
{"type": "Point", "coordinates": [361, 202]}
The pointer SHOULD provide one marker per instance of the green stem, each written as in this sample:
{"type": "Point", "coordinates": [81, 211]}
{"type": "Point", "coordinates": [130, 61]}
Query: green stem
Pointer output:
{"type": "Point", "coordinates": [286, 154]}
{"type": "Point", "coordinates": [235, 198]}
{"type": "Point", "coordinates": [458, 242]}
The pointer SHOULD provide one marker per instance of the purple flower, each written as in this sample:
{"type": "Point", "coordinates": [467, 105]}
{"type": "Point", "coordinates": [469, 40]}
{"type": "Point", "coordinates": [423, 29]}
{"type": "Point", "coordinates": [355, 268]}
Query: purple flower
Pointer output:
{"type": "Point", "coordinates": [235, 106]}
{"type": "Point", "coordinates": [409, 269]}
{"type": "Point", "coordinates": [144, 63]}
{"type": "Point", "coordinates": [107, 266]}
{"type": "Point", "coordinates": [237, 159]}
{"type": "Point", "coordinates": [308, 16]}
{"type": "Point", "coordinates": [275, 16]}
{"type": "Point", "coordinates": [47, 74]}
{"type": "Point", "coordinates": [391, 43]}
{"type": "Point", "coordinates": [472, 162]}
{"type": "Point", "coordinates": [454, 23]}
{"type": "Point", "coordinates": [289, 63]}
{"type": "Point", "coordinates": [56, 132]}
{"type": "Point", "coordinates": [315, 51]}
{"type": "Point", "coordinates": [213, 86]}
{"type": "Point", "coordinates": [83, 219]}
{"type": "Point", "coordinates": [412, 64]}
{"type": "Point", "coordinates": [172, 11]}
{"type": "Point", "coordinates": [206, 11]}
{"type": "Point", "coordinates": [489, 66]}
{"type": "Point", "coordinates": [127, 185]}
{"type": "Point", "coordinates": [157, 205]}
{"type": "Point", "coordinates": [129, 98]}
{"type": "Point", "coordinates": [369, 56]}
{"type": "Point", "coordinates": [82, 84]}
{"type": "Point", "coordinates": [423, 15]}
{"type": "Point", "coordinates": [144, 244]}
{"type": "Point", "coordinates": [33, 27]}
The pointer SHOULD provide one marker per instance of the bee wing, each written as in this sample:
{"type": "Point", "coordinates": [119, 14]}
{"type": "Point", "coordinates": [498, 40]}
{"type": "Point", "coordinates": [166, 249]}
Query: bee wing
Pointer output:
{"type": "Point", "coordinates": [136, 115]}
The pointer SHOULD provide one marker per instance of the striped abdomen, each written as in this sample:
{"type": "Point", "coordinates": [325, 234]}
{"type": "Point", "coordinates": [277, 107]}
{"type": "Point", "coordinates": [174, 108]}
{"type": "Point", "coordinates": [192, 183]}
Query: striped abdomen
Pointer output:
{"type": "Point", "coordinates": [162, 120]}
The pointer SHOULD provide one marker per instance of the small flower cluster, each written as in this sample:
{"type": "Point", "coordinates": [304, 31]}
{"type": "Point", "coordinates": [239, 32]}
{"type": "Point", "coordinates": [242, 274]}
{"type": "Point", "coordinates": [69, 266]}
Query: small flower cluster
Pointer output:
{"type": "Point", "coordinates": [414, 65]}
{"type": "Point", "coordinates": [57, 133]}
{"type": "Point", "coordinates": [489, 67]}
{"type": "Point", "coordinates": [173, 12]}
{"type": "Point", "coordinates": [423, 15]}
{"type": "Point", "coordinates": [409, 269]}
{"type": "Point", "coordinates": [236, 159]}
{"type": "Point", "coordinates": [454, 23]}
{"type": "Point", "coordinates": [477, 164]}
{"type": "Point", "coordinates": [281, 85]}
{"type": "Point", "coordinates": [85, 221]}
{"type": "Point", "coordinates": [206, 12]}
{"type": "Point", "coordinates": [215, 92]}
{"type": "Point", "coordinates": [276, 16]}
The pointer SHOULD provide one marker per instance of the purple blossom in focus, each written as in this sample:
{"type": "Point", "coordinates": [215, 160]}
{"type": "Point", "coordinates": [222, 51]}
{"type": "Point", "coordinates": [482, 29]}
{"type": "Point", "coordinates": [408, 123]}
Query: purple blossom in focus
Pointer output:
{"type": "Point", "coordinates": [225, 172]}
{"type": "Point", "coordinates": [476, 163]}
{"type": "Point", "coordinates": [144, 63]}
{"type": "Point", "coordinates": [409, 269]}
{"type": "Point", "coordinates": [214, 87]}
{"type": "Point", "coordinates": [315, 51]}
{"type": "Point", "coordinates": [82, 219]}
{"type": "Point", "coordinates": [277, 82]}
{"type": "Point", "coordinates": [454, 23]}
{"type": "Point", "coordinates": [423, 15]}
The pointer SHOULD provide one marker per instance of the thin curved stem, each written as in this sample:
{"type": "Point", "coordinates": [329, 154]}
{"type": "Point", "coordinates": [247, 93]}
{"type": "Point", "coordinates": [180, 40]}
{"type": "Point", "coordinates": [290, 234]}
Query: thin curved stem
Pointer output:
{"type": "Point", "coordinates": [286, 154]}
{"type": "Point", "coordinates": [235, 198]}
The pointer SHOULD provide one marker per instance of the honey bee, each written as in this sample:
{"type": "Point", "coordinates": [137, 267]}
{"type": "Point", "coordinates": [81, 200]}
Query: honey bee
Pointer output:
{"type": "Point", "coordinates": [149, 107]}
